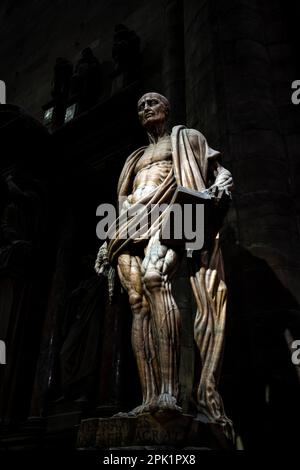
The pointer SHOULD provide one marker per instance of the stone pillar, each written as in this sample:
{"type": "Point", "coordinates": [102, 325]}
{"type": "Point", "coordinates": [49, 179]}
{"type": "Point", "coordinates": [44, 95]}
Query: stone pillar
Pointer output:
{"type": "Point", "coordinates": [262, 262]}
{"type": "Point", "coordinates": [45, 378]}
{"type": "Point", "coordinates": [255, 146]}
{"type": "Point", "coordinates": [173, 61]}
{"type": "Point", "coordinates": [201, 93]}
{"type": "Point", "coordinates": [117, 359]}
{"type": "Point", "coordinates": [183, 296]}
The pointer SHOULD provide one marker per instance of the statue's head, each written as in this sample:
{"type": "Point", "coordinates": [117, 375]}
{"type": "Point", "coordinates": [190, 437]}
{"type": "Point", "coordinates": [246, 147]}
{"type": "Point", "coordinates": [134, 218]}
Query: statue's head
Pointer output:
{"type": "Point", "coordinates": [153, 109]}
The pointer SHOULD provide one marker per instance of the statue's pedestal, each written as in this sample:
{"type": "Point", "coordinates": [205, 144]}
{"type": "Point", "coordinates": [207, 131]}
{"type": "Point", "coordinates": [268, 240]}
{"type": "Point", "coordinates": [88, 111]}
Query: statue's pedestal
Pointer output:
{"type": "Point", "coordinates": [163, 429]}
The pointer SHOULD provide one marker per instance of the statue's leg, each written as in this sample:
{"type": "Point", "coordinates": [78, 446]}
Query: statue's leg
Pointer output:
{"type": "Point", "coordinates": [129, 270]}
{"type": "Point", "coordinates": [158, 266]}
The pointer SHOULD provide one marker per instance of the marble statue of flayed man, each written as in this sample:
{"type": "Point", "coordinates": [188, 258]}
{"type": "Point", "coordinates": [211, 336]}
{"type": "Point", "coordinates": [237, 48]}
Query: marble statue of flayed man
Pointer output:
{"type": "Point", "coordinates": [145, 264]}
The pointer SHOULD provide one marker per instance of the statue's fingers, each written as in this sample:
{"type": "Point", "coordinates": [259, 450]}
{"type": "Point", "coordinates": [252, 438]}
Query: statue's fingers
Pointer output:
{"type": "Point", "coordinates": [225, 182]}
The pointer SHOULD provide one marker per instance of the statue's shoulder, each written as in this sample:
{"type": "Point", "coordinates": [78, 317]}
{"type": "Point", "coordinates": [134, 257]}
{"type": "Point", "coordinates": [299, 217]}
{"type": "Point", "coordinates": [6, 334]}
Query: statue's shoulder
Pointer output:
{"type": "Point", "coordinates": [136, 154]}
{"type": "Point", "coordinates": [194, 136]}
{"type": "Point", "coordinates": [197, 141]}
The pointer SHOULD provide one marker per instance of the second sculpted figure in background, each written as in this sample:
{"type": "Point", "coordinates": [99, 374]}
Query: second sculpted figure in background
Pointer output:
{"type": "Point", "coordinates": [146, 265]}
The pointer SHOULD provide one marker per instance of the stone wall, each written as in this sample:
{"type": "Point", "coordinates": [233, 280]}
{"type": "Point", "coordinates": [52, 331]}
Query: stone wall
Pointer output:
{"type": "Point", "coordinates": [35, 34]}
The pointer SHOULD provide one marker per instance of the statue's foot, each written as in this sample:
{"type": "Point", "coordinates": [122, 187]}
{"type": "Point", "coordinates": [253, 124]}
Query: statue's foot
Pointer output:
{"type": "Point", "coordinates": [165, 402]}
{"type": "Point", "coordinates": [121, 414]}
{"type": "Point", "coordinates": [139, 410]}
{"type": "Point", "coordinates": [168, 402]}
{"type": "Point", "coordinates": [148, 407]}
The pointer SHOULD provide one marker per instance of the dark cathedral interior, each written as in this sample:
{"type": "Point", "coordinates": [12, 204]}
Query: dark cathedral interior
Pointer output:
{"type": "Point", "coordinates": [74, 72]}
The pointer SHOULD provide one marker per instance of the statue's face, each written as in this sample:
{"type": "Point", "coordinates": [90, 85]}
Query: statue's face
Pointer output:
{"type": "Point", "coordinates": [151, 110]}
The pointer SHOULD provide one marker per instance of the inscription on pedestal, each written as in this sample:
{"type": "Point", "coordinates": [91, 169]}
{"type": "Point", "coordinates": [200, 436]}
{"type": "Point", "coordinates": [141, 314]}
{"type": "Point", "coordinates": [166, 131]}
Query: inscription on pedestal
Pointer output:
{"type": "Point", "coordinates": [158, 429]}
{"type": "Point", "coordinates": [114, 432]}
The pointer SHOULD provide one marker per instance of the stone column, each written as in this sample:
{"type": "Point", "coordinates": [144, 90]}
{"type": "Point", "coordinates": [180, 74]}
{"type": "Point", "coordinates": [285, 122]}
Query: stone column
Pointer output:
{"type": "Point", "coordinates": [200, 83]}
{"type": "Point", "coordinates": [262, 263]}
{"type": "Point", "coordinates": [254, 145]}
{"type": "Point", "coordinates": [173, 60]}
{"type": "Point", "coordinates": [50, 345]}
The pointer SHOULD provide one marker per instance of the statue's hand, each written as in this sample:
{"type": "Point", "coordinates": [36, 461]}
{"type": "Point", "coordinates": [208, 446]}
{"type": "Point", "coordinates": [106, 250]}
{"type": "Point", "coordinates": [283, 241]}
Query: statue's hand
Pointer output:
{"type": "Point", "coordinates": [102, 263]}
{"type": "Point", "coordinates": [104, 268]}
{"type": "Point", "coordinates": [222, 185]}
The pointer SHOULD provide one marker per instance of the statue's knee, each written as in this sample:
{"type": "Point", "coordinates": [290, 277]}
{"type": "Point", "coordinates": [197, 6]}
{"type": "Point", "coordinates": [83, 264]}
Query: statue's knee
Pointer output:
{"type": "Point", "coordinates": [138, 303]}
{"type": "Point", "coordinates": [135, 299]}
{"type": "Point", "coordinates": [152, 279]}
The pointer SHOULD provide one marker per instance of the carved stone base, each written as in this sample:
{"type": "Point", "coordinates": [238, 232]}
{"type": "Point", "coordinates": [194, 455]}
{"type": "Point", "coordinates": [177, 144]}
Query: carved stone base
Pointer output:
{"type": "Point", "coordinates": [159, 430]}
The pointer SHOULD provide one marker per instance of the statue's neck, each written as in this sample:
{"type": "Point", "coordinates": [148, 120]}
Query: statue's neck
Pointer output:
{"type": "Point", "coordinates": [156, 134]}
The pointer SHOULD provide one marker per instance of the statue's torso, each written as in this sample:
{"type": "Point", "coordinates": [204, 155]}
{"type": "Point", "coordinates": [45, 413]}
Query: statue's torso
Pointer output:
{"type": "Point", "coordinates": [152, 168]}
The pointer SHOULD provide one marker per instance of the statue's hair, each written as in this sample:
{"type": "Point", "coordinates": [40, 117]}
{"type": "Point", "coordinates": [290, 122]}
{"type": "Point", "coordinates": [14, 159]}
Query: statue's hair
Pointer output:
{"type": "Point", "coordinates": [162, 98]}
